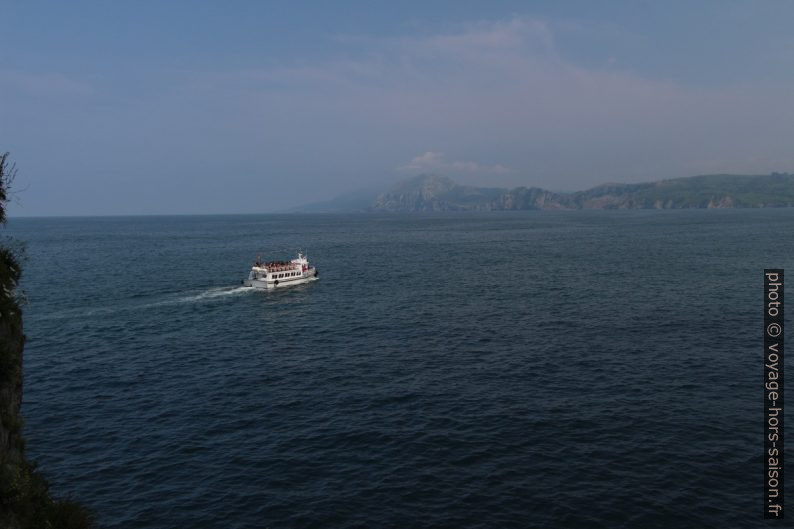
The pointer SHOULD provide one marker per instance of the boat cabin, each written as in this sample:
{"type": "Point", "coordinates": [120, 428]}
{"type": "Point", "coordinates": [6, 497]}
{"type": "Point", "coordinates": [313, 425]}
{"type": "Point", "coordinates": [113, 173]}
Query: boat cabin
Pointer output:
{"type": "Point", "coordinates": [279, 270]}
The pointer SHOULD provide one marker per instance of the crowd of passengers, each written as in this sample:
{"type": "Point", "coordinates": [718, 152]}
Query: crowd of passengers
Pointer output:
{"type": "Point", "coordinates": [273, 264]}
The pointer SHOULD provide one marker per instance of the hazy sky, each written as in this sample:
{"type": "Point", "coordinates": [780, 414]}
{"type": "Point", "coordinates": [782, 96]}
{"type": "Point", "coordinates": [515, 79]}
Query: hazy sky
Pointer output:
{"type": "Point", "coordinates": [223, 107]}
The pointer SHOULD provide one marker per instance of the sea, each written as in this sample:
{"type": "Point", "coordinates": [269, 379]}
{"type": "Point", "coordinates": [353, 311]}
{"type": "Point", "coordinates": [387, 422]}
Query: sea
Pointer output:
{"type": "Point", "coordinates": [550, 369]}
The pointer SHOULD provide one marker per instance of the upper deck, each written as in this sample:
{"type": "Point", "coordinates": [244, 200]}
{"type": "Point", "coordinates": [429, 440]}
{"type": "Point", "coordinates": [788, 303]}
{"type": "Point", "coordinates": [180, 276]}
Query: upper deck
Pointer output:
{"type": "Point", "coordinates": [300, 264]}
{"type": "Point", "coordinates": [277, 266]}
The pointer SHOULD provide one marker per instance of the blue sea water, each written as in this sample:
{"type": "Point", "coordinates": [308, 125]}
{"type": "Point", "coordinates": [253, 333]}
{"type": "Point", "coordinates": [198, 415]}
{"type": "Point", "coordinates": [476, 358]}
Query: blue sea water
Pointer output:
{"type": "Point", "coordinates": [529, 369]}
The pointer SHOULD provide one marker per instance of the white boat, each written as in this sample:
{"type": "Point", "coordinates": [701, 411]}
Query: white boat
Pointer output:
{"type": "Point", "coordinates": [277, 274]}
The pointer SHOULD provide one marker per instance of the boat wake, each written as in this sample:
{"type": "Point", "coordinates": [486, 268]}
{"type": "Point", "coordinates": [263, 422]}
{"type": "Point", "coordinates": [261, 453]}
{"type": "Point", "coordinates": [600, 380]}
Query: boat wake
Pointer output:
{"type": "Point", "coordinates": [216, 293]}
{"type": "Point", "coordinates": [210, 294]}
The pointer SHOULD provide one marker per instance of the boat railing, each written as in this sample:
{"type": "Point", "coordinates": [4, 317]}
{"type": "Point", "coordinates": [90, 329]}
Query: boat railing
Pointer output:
{"type": "Point", "coordinates": [281, 268]}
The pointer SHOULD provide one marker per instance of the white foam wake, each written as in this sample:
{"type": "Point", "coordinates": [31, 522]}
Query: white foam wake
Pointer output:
{"type": "Point", "coordinates": [214, 293]}
{"type": "Point", "coordinates": [206, 295]}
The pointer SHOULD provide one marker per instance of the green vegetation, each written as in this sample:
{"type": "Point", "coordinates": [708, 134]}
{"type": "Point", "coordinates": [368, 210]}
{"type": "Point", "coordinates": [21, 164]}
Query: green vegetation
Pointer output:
{"type": "Point", "coordinates": [436, 193]}
{"type": "Point", "coordinates": [720, 190]}
{"type": "Point", "coordinates": [25, 499]}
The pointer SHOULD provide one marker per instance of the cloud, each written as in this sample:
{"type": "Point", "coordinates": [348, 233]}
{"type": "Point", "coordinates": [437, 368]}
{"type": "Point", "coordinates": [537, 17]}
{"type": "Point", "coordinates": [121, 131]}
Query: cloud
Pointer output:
{"type": "Point", "coordinates": [494, 90]}
{"type": "Point", "coordinates": [499, 102]}
{"type": "Point", "coordinates": [435, 162]}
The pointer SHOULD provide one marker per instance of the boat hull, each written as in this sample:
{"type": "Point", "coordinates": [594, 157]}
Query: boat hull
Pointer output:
{"type": "Point", "coordinates": [262, 284]}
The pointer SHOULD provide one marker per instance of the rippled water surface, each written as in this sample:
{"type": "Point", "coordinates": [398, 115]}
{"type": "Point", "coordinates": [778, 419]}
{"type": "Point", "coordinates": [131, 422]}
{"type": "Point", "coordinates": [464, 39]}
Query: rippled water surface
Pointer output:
{"type": "Point", "coordinates": [535, 369]}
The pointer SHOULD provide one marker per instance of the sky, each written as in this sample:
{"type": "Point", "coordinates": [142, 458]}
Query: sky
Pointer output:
{"type": "Point", "coordinates": [150, 107]}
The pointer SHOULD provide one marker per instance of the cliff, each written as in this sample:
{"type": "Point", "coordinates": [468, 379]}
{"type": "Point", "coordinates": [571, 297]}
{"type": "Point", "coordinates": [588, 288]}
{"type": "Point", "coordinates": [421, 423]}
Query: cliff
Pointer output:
{"type": "Point", "coordinates": [25, 500]}
{"type": "Point", "coordinates": [438, 193]}
{"type": "Point", "coordinates": [435, 193]}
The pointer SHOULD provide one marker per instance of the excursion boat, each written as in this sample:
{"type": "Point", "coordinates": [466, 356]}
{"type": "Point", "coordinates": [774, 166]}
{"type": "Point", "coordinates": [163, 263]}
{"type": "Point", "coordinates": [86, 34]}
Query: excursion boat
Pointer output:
{"type": "Point", "coordinates": [277, 274]}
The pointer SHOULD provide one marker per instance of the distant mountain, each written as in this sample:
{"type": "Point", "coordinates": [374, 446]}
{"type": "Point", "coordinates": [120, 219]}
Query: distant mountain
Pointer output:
{"type": "Point", "coordinates": [706, 191]}
{"type": "Point", "coordinates": [356, 202]}
{"type": "Point", "coordinates": [439, 193]}
{"type": "Point", "coordinates": [435, 193]}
